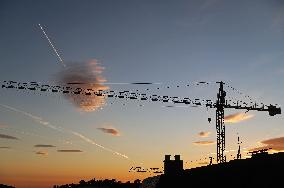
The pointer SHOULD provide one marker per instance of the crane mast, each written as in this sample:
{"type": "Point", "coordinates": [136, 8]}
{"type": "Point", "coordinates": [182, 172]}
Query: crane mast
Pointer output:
{"type": "Point", "coordinates": [220, 125]}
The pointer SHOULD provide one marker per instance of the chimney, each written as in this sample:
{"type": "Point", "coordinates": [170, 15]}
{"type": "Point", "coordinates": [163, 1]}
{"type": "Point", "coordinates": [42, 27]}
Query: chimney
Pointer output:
{"type": "Point", "coordinates": [177, 157]}
{"type": "Point", "coordinates": [167, 157]}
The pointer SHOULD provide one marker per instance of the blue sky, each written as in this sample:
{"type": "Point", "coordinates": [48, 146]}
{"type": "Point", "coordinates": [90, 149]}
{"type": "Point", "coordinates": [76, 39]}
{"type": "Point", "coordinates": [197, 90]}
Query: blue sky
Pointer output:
{"type": "Point", "coordinates": [171, 42]}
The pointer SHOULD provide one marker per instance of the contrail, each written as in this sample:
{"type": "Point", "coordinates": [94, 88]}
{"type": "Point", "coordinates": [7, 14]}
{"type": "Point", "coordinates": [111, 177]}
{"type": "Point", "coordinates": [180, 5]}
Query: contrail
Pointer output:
{"type": "Point", "coordinates": [94, 143]}
{"type": "Point", "coordinates": [35, 118]}
{"type": "Point", "coordinates": [60, 129]}
{"type": "Point", "coordinates": [53, 47]}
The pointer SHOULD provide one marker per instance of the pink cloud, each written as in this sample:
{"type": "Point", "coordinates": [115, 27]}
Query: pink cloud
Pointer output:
{"type": "Point", "coordinates": [238, 117]}
{"type": "Point", "coordinates": [111, 131]}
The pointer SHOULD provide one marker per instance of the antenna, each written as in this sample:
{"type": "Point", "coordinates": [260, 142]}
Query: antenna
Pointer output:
{"type": "Point", "coordinates": [239, 155]}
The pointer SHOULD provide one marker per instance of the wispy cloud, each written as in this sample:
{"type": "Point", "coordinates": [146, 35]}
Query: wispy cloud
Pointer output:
{"type": "Point", "coordinates": [41, 153]}
{"type": "Point", "coordinates": [238, 117]}
{"type": "Point", "coordinates": [90, 74]}
{"type": "Point", "coordinates": [204, 134]}
{"type": "Point", "coordinates": [274, 141]}
{"type": "Point", "coordinates": [5, 147]}
{"type": "Point", "coordinates": [69, 150]}
{"type": "Point", "coordinates": [204, 143]}
{"type": "Point", "coordinates": [8, 137]}
{"type": "Point", "coordinates": [273, 145]}
{"type": "Point", "coordinates": [44, 146]}
{"type": "Point", "coordinates": [60, 129]}
{"type": "Point", "coordinates": [111, 131]}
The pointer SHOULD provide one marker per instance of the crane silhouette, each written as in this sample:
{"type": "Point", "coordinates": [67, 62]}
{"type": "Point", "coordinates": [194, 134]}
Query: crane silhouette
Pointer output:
{"type": "Point", "coordinates": [220, 105]}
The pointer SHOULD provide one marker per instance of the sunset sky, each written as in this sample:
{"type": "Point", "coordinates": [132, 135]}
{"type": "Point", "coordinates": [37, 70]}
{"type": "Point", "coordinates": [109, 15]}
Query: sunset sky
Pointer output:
{"type": "Point", "coordinates": [48, 139]}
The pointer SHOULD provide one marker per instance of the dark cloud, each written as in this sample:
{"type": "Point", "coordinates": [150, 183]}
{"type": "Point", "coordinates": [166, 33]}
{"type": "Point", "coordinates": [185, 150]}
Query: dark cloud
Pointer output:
{"type": "Point", "coordinates": [5, 147]}
{"type": "Point", "coordinates": [204, 143]}
{"type": "Point", "coordinates": [204, 134]}
{"type": "Point", "coordinates": [44, 146]}
{"type": "Point", "coordinates": [111, 131]}
{"type": "Point", "coordinates": [273, 145]}
{"type": "Point", "coordinates": [235, 118]}
{"type": "Point", "coordinates": [8, 137]}
{"type": "Point", "coordinates": [69, 150]}
{"type": "Point", "coordinates": [41, 152]}
{"type": "Point", "coordinates": [88, 73]}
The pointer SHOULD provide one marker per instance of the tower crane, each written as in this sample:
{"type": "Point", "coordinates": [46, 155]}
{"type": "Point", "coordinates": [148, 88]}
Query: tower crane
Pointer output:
{"type": "Point", "coordinates": [220, 105]}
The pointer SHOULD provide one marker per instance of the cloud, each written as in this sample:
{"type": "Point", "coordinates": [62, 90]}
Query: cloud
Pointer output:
{"type": "Point", "coordinates": [44, 146]}
{"type": "Point", "coordinates": [111, 131]}
{"type": "Point", "coordinates": [274, 141]}
{"type": "Point", "coordinates": [5, 147]}
{"type": "Point", "coordinates": [204, 143]}
{"type": "Point", "coordinates": [41, 153]}
{"type": "Point", "coordinates": [235, 118]}
{"type": "Point", "coordinates": [8, 137]}
{"type": "Point", "coordinates": [69, 150]}
{"type": "Point", "coordinates": [35, 118]}
{"type": "Point", "coordinates": [204, 134]}
{"type": "Point", "coordinates": [63, 130]}
{"type": "Point", "coordinates": [90, 74]}
{"type": "Point", "coordinates": [273, 145]}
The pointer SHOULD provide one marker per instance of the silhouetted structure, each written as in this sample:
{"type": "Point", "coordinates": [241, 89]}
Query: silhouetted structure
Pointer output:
{"type": "Point", "coordinates": [173, 167]}
{"type": "Point", "coordinates": [239, 155]}
{"type": "Point", "coordinates": [101, 184]}
{"type": "Point", "coordinates": [220, 125]}
{"type": "Point", "coordinates": [6, 186]}
{"type": "Point", "coordinates": [220, 105]}
{"type": "Point", "coordinates": [261, 170]}
{"type": "Point", "coordinates": [150, 182]}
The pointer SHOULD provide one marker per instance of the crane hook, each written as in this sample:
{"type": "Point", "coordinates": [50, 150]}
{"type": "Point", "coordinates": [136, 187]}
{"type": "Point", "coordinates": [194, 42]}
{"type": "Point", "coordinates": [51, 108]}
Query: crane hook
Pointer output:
{"type": "Point", "coordinates": [209, 120]}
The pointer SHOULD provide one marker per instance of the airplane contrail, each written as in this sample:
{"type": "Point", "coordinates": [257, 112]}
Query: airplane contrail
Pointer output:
{"type": "Point", "coordinates": [53, 47]}
{"type": "Point", "coordinates": [60, 129]}
{"type": "Point", "coordinates": [94, 143]}
{"type": "Point", "coordinates": [35, 118]}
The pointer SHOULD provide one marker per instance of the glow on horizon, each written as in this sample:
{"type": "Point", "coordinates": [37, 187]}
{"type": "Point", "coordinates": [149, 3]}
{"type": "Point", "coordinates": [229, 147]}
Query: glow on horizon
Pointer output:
{"type": "Point", "coordinates": [238, 42]}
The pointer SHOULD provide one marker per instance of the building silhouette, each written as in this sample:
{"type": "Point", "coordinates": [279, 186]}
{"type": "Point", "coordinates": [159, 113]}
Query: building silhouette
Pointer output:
{"type": "Point", "coordinates": [107, 183]}
{"type": "Point", "coordinates": [261, 170]}
{"type": "Point", "coordinates": [173, 167]}
{"type": "Point", "coordinates": [6, 186]}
